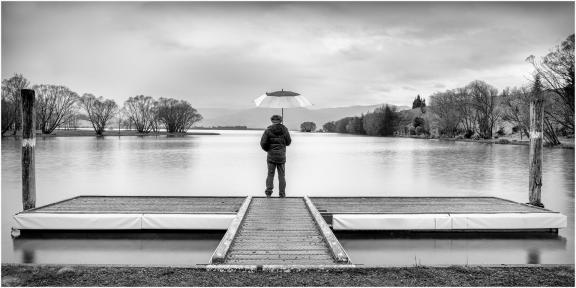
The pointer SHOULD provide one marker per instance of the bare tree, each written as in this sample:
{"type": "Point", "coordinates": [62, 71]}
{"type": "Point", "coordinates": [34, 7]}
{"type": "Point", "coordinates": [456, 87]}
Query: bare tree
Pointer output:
{"type": "Point", "coordinates": [140, 112]}
{"type": "Point", "coordinates": [8, 113]}
{"type": "Point", "coordinates": [156, 121]}
{"type": "Point", "coordinates": [556, 70]}
{"type": "Point", "coordinates": [516, 108]}
{"type": "Point", "coordinates": [177, 115]}
{"type": "Point", "coordinates": [100, 111]}
{"type": "Point", "coordinates": [466, 110]}
{"type": "Point", "coordinates": [11, 98]}
{"type": "Point", "coordinates": [444, 105]}
{"type": "Point", "coordinates": [485, 102]}
{"type": "Point", "coordinates": [55, 105]}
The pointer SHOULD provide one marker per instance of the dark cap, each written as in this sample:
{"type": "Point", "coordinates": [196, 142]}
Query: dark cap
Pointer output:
{"type": "Point", "coordinates": [276, 118]}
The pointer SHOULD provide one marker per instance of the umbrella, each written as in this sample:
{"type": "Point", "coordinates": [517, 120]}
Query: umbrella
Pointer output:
{"type": "Point", "coordinates": [282, 99]}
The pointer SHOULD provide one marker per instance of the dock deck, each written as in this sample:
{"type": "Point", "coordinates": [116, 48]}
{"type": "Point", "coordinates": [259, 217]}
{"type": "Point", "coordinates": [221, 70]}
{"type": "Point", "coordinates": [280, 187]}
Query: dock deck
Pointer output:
{"type": "Point", "coordinates": [421, 205]}
{"type": "Point", "coordinates": [143, 205]}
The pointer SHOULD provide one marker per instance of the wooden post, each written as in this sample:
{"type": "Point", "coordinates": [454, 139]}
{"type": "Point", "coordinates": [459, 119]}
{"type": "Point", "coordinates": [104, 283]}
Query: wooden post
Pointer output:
{"type": "Point", "coordinates": [28, 143]}
{"type": "Point", "coordinates": [536, 127]}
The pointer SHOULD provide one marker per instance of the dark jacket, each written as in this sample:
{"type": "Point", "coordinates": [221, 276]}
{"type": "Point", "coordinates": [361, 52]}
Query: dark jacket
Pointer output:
{"type": "Point", "coordinates": [274, 141]}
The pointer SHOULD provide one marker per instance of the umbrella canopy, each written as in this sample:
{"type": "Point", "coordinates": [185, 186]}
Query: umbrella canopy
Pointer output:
{"type": "Point", "coordinates": [282, 99]}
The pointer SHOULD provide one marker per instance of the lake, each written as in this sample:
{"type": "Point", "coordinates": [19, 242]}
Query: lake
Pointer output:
{"type": "Point", "coordinates": [232, 164]}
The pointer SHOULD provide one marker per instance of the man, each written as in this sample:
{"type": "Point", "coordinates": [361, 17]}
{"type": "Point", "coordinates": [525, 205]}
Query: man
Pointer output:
{"type": "Point", "coordinates": [274, 141]}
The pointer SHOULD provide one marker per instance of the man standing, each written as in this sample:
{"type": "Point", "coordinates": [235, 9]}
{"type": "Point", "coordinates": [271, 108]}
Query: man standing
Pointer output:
{"type": "Point", "coordinates": [274, 141]}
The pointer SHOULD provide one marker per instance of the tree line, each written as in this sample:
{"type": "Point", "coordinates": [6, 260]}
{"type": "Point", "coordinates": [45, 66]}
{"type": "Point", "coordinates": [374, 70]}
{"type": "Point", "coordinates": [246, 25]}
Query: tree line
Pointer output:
{"type": "Point", "coordinates": [478, 109]}
{"type": "Point", "coordinates": [381, 122]}
{"type": "Point", "coordinates": [57, 106]}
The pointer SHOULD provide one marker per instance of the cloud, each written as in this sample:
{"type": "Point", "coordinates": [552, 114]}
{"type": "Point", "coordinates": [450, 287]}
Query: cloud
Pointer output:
{"type": "Point", "coordinates": [439, 85]}
{"type": "Point", "coordinates": [224, 54]}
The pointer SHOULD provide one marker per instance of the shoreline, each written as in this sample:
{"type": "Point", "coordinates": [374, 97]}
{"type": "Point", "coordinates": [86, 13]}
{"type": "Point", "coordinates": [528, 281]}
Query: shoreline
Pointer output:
{"type": "Point", "coordinates": [501, 141]}
{"type": "Point", "coordinates": [132, 275]}
{"type": "Point", "coordinates": [113, 133]}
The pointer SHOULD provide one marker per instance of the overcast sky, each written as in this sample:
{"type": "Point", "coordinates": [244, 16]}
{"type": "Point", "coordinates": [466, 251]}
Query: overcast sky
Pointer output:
{"type": "Point", "coordinates": [226, 54]}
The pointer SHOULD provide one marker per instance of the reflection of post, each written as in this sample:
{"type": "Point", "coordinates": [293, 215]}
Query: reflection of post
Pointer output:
{"type": "Point", "coordinates": [536, 127]}
{"type": "Point", "coordinates": [28, 256]}
{"type": "Point", "coordinates": [28, 143]}
{"type": "Point", "coordinates": [533, 256]}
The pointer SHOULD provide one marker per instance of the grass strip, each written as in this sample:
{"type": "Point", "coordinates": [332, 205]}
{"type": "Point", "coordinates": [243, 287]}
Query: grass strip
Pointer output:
{"type": "Point", "coordinates": [77, 275]}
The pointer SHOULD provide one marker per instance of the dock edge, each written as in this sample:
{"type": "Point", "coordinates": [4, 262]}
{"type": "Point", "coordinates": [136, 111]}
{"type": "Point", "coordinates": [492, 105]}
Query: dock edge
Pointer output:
{"type": "Point", "coordinates": [219, 254]}
{"type": "Point", "coordinates": [336, 248]}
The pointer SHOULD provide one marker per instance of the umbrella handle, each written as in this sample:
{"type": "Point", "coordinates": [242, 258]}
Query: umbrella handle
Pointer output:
{"type": "Point", "coordinates": [282, 115]}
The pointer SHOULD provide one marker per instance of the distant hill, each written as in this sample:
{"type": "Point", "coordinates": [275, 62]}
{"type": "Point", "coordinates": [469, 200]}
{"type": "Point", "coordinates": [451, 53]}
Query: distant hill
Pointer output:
{"type": "Point", "coordinates": [260, 117]}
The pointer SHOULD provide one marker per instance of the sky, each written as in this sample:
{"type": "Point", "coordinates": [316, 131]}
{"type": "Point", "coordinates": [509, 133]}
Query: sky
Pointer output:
{"type": "Point", "coordinates": [224, 55]}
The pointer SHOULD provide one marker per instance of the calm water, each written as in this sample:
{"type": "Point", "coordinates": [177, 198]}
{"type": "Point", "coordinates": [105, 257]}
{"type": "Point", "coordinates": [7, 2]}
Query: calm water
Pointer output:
{"type": "Point", "coordinates": [232, 164]}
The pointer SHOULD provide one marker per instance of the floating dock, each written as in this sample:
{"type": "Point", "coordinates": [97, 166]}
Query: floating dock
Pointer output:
{"type": "Point", "coordinates": [132, 213]}
{"type": "Point", "coordinates": [288, 231]}
{"type": "Point", "coordinates": [436, 214]}
{"type": "Point", "coordinates": [341, 213]}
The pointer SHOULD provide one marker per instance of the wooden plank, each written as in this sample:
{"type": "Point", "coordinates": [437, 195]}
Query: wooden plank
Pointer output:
{"type": "Point", "coordinates": [222, 249]}
{"type": "Point", "coordinates": [284, 252]}
{"type": "Point", "coordinates": [280, 256]}
{"type": "Point", "coordinates": [337, 250]}
{"type": "Point", "coordinates": [279, 262]}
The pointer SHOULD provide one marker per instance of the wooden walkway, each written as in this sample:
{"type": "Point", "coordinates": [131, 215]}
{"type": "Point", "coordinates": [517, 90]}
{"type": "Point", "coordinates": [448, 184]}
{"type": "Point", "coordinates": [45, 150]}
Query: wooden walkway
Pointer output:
{"type": "Point", "coordinates": [279, 231]}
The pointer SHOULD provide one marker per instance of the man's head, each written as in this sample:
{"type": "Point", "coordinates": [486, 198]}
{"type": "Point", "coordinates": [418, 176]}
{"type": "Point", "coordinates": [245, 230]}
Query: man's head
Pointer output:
{"type": "Point", "coordinates": [276, 119]}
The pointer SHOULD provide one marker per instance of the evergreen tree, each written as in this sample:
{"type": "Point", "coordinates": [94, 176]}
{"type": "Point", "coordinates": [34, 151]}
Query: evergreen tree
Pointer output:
{"type": "Point", "coordinates": [417, 102]}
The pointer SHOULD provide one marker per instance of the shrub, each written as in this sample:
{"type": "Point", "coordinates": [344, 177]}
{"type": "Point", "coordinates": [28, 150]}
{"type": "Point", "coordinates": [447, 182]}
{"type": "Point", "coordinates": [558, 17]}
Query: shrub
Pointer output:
{"type": "Point", "coordinates": [419, 130]}
{"type": "Point", "coordinates": [418, 122]}
{"type": "Point", "coordinates": [308, 127]}
{"type": "Point", "coordinates": [176, 115]}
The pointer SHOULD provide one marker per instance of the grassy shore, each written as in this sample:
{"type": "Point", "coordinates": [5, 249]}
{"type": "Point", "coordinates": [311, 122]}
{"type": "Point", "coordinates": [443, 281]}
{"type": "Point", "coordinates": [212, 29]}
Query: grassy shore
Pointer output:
{"type": "Point", "coordinates": [90, 133]}
{"type": "Point", "coordinates": [58, 275]}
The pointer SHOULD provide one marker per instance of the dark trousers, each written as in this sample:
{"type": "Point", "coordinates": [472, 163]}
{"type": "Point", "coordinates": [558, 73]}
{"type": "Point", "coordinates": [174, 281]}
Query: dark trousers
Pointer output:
{"type": "Point", "coordinates": [281, 178]}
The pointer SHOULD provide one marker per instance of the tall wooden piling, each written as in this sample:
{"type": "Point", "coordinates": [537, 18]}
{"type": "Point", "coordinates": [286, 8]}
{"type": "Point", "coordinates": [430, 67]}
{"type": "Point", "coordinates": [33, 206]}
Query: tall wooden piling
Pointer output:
{"type": "Point", "coordinates": [536, 143]}
{"type": "Point", "coordinates": [28, 144]}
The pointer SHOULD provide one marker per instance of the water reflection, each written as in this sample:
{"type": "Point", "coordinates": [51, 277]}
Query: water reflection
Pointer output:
{"type": "Point", "coordinates": [533, 256]}
{"type": "Point", "coordinates": [233, 164]}
{"type": "Point", "coordinates": [162, 248]}
{"type": "Point", "coordinates": [451, 249]}
{"type": "Point", "coordinates": [28, 256]}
